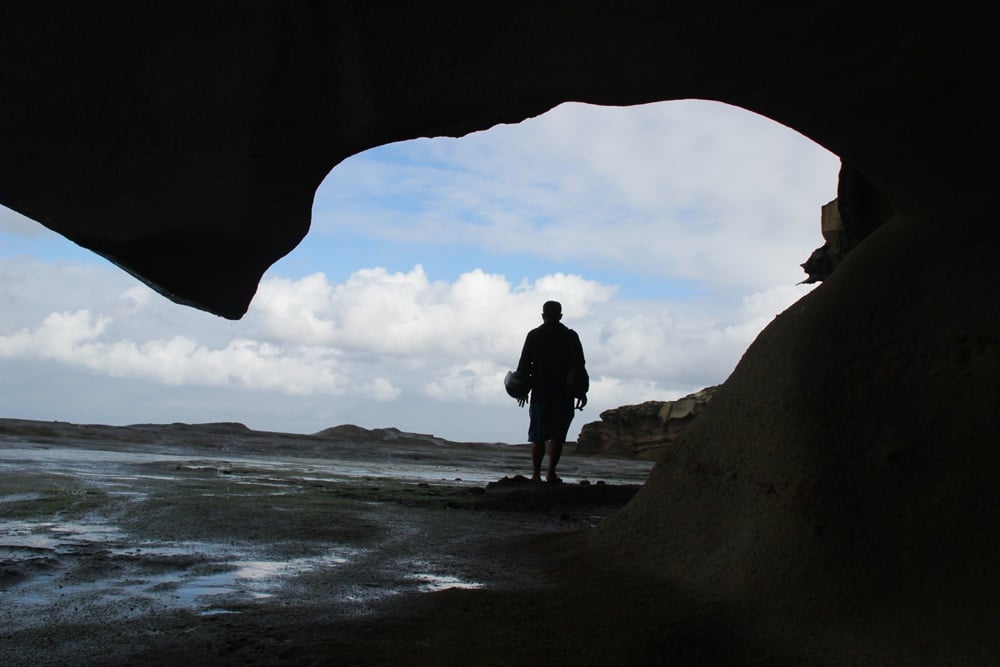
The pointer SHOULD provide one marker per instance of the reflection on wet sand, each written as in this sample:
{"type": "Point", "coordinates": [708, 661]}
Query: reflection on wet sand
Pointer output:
{"type": "Point", "coordinates": [91, 538]}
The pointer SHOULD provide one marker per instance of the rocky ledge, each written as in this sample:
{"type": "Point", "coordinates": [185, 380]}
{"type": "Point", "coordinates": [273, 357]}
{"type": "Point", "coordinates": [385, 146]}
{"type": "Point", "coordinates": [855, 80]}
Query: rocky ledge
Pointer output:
{"type": "Point", "coordinates": [642, 430]}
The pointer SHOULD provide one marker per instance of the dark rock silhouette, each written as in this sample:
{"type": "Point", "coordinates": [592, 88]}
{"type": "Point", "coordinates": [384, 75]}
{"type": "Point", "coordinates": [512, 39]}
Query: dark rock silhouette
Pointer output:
{"type": "Point", "coordinates": [837, 498]}
{"type": "Point", "coordinates": [845, 222]}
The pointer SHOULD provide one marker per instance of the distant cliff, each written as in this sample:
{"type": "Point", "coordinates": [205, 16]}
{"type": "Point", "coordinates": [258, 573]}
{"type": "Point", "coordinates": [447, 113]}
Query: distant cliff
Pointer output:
{"type": "Point", "coordinates": [641, 430]}
{"type": "Point", "coordinates": [229, 438]}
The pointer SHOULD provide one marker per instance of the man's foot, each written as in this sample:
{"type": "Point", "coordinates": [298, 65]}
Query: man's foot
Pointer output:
{"type": "Point", "coordinates": [536, 477]}
{"type": "Point", "coordinates": [553, 479]}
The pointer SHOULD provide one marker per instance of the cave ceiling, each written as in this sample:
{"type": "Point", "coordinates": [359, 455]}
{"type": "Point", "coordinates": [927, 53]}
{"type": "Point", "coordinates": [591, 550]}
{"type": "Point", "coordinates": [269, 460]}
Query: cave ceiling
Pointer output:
{"type": "Point", "coordinates": [184, 141]}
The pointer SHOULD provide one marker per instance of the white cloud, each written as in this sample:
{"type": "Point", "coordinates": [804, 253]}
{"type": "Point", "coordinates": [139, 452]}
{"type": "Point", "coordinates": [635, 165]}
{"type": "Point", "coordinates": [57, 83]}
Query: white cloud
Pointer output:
{"type": "Point", "coordinates": [76, 339]}
{"type": "Point", "coordinates": [612, 392]}
{"type": "Point", "coordinates": [12, 222]}
{"type": "Point", "coordinates": [136, 297]}
{"type": "Point", "coordinates": [394, 337]}
{"type": "Point", "coordinates": [691, 190]}
{"type": "Point", "coordinates": [294, 310]}
{"type": "Point", "coordinates": [406, 314]}
{"type": "Point", "coordinates": [379, 389]}
{"type": "Point", "coordinates": [56, 338]}
{"type": "Point", "coordinates": [477, 381]}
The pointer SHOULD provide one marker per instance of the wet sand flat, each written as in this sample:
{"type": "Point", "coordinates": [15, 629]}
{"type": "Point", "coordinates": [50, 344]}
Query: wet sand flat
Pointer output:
{"type": "Point", "coordinates": [192, 544]}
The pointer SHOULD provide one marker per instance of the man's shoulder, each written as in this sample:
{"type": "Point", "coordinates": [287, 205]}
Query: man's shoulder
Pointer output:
{"type": "Point", "coordinates": [553, 329]}
{"type": "Point", "coordinates": [536, 332]}
{"type": "Point", "coordinates": [566, 331]}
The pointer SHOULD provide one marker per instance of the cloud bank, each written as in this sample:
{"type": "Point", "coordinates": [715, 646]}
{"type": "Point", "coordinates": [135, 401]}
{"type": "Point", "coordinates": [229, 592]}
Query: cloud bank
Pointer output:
{"type": "Point", "coordinates": [389, 337]}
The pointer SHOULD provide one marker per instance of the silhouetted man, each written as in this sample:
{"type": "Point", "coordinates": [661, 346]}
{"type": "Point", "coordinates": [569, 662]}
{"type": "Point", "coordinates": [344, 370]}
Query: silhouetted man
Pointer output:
{"type": "Point", "coordinates": [553, 358]}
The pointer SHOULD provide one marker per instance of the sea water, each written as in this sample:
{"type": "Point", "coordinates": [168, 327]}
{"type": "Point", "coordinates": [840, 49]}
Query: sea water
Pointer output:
{"type": "Point", "coordinates": [46, 558]}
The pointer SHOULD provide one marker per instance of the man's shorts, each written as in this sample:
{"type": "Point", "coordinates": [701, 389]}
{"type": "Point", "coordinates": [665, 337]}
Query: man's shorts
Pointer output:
{"type": "Point", "coordinates": [549, 420]}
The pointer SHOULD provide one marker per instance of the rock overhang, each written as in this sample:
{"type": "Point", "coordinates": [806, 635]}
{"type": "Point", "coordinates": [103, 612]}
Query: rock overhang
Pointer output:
{"type": "Point", "coordinates": [185, 143]}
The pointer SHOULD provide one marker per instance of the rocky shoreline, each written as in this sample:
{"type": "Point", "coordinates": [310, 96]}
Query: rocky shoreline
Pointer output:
{"type": "Point", "coordinates": [642, 431]}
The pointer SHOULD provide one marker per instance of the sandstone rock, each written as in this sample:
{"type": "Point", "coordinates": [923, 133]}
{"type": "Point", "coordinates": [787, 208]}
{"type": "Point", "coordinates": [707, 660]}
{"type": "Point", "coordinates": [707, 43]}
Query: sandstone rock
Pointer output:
{"type": "Point", "coordinates": [845, 222]}
{"type": "Point", "coordinates": [641, 430]}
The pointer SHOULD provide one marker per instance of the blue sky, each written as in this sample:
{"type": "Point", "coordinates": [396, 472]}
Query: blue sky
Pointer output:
{"type": "Point", "coordinates": [672, 233]}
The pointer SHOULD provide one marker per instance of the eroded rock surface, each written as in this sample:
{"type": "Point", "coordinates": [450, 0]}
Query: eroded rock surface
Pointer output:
{"type": "Point", "coordinates": [845, 222]}
{"type": "Point", "coordinates": [642, 430]}
{"type": "Point", "coordinates": [185, 141]}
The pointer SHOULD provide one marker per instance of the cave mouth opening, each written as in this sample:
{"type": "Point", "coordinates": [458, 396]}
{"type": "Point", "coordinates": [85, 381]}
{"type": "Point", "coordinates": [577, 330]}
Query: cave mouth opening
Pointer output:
{"type": "Point", "coordinates": [671, 232]}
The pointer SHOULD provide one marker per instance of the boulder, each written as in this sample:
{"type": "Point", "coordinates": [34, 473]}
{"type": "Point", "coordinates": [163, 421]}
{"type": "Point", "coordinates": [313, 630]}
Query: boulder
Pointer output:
{"type": "Point", "coordinates": [643, 430]}
{"type": "Point", "coordinates": [845, 222]}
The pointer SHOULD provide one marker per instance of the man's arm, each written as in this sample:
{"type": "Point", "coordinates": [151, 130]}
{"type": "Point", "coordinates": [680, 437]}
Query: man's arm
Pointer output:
{"type": "Point", "coordinates": [581, 362]}
{"type": "Point", "coordinates": [524, 363]}
{"type": "Point", "coordinates": [579, 351]}
{"type": "Point", "coordinates": [527, 356]}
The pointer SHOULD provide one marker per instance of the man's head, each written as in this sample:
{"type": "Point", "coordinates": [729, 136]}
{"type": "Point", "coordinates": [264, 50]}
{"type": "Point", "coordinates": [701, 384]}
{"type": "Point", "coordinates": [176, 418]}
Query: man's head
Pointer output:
{"type": "Point", "coordinates": [552, 311]}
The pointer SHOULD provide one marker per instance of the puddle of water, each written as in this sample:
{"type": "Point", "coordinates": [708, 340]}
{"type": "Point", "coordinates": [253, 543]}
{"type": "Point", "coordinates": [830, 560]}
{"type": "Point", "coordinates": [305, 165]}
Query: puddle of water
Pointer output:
{"type": "Point", "coordinates": [423, 572]}
{"type": "Point", "coordinates": [331, 469]}
{"type": "Point", "coordinates": [199, 550]}
{"type": "Point", "coordinates": [20, 497]}
{"type": "Point", "coordinates": [188, 592]}
{"type": "Point", "coordinates": [134, 592]}
{"type": "Point", "coordinates": [366, 594]}
{"type": "Point", "coordinates": [258, 570]}
{"type": "Point", "coordinates": [74, 455]}
{"type": "Point", "coordinates": [53, 536]}
{"type": "Point", "coordinates": [433, 583]}
{"type": "Point", "coordinates": [247, 581]}
{"type": "Point", "coordinates": [32, 542]}
{"type": "Point", "coordinates": [89, 532]}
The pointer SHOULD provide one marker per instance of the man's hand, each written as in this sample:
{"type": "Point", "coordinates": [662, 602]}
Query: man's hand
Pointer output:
{"type": "Point", "coordinates": [581, 403]}
{"type": "Point", "coordinates": [522, 401]}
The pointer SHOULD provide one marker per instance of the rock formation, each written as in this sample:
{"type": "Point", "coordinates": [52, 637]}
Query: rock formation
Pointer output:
{"type": "Point", "coordinates": [837, 498]}
{"type": "Point", "coordinates": [643, 430]}
{"type": "Point", "coordinates": [845, 222]}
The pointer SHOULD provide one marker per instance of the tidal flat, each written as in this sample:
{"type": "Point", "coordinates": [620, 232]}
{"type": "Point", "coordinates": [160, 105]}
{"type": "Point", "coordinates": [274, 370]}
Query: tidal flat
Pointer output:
{"type": "Point", "coordinates": [163, 544]}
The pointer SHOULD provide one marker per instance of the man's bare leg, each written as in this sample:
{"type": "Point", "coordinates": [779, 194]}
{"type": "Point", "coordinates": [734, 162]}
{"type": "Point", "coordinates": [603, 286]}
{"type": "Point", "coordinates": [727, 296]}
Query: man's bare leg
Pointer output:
{"type": "Point", "coordinates": [537, 452]}
{"type": "Point", "coordinates": [555, 451]}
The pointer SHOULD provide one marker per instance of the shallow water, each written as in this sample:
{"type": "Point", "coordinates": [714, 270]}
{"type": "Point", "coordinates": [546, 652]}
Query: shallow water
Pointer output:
{"type": "Point", "coordinates": [103, 464]}
{"type": "Point", "coordinates": [96, 536]}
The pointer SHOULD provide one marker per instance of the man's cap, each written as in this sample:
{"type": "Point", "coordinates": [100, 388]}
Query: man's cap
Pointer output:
{"type": "Point", "coordinates": [552, 308]}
